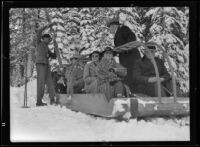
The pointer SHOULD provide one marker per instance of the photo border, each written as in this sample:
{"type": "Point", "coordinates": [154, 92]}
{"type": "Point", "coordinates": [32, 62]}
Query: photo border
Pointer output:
{"type": "Point", "coordinates": [194, 22]}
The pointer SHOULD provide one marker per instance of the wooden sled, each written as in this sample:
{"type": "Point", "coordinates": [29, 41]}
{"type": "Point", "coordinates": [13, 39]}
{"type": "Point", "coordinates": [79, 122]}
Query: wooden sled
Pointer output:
{"type": "Point", "coordinates": [124, 108]}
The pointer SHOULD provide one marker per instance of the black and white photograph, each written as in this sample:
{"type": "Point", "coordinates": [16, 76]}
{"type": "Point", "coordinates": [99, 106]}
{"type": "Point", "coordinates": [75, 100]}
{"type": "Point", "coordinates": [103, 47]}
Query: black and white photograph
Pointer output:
{"type": "Point", "coordinates": [99, 74]}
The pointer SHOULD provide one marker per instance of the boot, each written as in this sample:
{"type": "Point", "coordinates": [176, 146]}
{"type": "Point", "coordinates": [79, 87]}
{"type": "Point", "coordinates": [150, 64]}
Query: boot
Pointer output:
{"type": "Point", "coordinates": [41, 104]}
{"type": "Point", "coordinates": [52, 101]}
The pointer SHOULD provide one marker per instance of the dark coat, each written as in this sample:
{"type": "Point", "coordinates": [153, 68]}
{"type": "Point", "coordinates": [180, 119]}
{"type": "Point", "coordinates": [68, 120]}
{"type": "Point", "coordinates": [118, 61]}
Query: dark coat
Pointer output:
{"type": "Point", "coordinates": [143, 70]}
{"type": "Point", "coordinates": [109, 82]}
{"type": "Point", "coordinates": [123, 35]}
{"type": "Point", "coordinates": [43, 53]}
{"type": "Point", "coordinates": [127, 59]}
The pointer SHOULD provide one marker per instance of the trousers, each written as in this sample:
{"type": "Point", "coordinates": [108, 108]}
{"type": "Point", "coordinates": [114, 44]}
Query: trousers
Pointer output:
{"type": "Point", "coordinates": [111, 90]}
{"type": "Point", "coordinates": [44, 78]}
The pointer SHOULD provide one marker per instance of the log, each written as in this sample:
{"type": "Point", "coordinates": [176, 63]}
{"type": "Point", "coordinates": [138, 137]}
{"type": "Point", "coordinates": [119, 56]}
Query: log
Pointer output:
{"type": "Point", "coordinates": [151, 106]}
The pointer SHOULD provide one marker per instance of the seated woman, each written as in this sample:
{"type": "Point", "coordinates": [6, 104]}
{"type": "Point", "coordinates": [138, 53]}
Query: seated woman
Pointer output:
{"type": "Point", "coordinates": [90, 73]}
{"type": "Point", "coordinates": [110, 76]}
{"type": "Point", "coordinates": [74, 76]}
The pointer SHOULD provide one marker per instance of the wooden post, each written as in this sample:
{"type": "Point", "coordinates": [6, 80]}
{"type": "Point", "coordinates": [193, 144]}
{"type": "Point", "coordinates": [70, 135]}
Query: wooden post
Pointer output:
{"type": "Point", "coordinates": [171, 69]}
{"type": "Point", "coordinates": [25, 86]}
{"type": "Point", "coordinates": [156, 71]}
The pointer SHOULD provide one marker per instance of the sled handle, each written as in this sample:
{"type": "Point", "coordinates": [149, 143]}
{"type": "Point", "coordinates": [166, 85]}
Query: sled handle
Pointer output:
{"type": "Point", "coordinates": [170, 66]}
{"type": "Point", "coordinates": [156, 71]}
{"type": "Point", "coordinates": [135, 44]}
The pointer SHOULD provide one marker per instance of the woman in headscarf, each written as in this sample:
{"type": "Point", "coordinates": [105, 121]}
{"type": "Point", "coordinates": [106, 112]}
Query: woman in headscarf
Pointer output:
{"type": "Point", "coordinates": [74, 76]}
{"type": "Point", "coordinates": [90, 73]}
{"type": "Point", "coordinates": [110, 75]}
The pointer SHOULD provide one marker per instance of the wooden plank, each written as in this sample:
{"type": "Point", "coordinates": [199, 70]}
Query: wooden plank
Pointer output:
{"type": "Point", "coordinates": [128, 46]}
{"type": "Point", "coordinates": [95, 104]}
{"type": "Point", "coordinates": [29, 68]}
{"type": "Point", "coordinates": [91, 103]}
{"type": "Point", "coordinates": [152, 107]}
{"type": "Point", "coordinates": [165, 100]}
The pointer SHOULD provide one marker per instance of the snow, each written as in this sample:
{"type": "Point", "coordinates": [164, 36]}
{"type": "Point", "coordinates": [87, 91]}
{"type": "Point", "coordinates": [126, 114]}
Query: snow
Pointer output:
{"type": "Point", "coordinates": [145, 102]}
{"type": "Point", "coordinates": [118, 105]}
{"type": "Point", "coordinates": [59, 124]}
{"type": "Point", "coordinates": [122, 18]}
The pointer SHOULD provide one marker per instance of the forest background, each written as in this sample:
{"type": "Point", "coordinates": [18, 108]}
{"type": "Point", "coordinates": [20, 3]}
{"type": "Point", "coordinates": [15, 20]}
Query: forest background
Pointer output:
{"type": "Point", "coordinates": [167, 26]}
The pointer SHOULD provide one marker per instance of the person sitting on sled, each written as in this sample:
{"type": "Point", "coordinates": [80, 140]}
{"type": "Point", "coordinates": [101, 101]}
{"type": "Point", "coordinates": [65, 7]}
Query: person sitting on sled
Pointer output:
{"type": "Point", "coordinates": [90, 73]}
{"type": "Point", "coordinates": [74, 75]}
{"type": "Point", "coordinates": [145, 77]}
{"type": "Point", "coordinates": [110, 75]}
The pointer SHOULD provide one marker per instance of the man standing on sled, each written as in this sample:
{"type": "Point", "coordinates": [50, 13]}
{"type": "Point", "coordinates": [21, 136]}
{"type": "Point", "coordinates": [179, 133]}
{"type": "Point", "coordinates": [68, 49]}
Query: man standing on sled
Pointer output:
{"type": "Point", "coordinates": [123, 35]}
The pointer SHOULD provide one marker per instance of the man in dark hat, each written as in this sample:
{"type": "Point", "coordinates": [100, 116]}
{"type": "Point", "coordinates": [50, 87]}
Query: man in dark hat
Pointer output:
{"type": "Point", "coordinates": [123, 35]}
{"type": "Point", "coordinates": [42, 65]}
{"type": "Point", "coordinates": [145, 77]}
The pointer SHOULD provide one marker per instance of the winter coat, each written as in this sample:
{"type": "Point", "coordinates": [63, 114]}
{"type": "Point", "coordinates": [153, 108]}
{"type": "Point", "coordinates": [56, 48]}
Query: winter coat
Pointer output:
{"type": "Point", "coordinates": [90, 77]}
{"type": "Point", "coordinates": [43, 53]}
{"type": "Point", "coordinates": [107, 77]}
{"type": "Point", "coordinates": [127, 59]}
{"type": "Point", "coordinates": [143, 70]}
{"type": "Point", "coordinates": [74, 76]}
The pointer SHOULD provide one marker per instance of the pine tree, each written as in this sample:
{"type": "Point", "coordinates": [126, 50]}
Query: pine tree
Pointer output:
{"type": "Point", "coordinates": [20, 40]}
{"type": "Point", "coordinates": [84, 30]}
{"type": "Point", "coordinates": [168, 27]}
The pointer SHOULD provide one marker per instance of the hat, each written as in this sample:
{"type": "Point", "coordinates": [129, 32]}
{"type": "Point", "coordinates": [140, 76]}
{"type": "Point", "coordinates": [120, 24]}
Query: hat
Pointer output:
{"type": "Point", "coordinates": [46, 36]}
{"type": "Point", "coordinates": [113, 21]}
{"type": "Point", "coordinates": [109, 49]}
{"type": "Point", "coordinates": [151, 47]}
{"type": "Point", "coordinates": [94, 52]}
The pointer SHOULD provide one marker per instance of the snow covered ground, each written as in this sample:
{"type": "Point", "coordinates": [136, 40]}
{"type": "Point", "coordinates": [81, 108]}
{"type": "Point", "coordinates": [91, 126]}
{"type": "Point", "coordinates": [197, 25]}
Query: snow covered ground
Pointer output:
{"type": "Point", "coordinates": [56, 124]}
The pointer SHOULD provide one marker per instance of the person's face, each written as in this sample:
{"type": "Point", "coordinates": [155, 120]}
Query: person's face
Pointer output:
{"type": "Point", "coordinates": [47, 40]}
{"type": "Point", "coordinates": [113, 28]}
{"type": "Point", "coordinates": [95, 57]}
{"type": "Point", "coordinates": [148, 54]}
{"type": "Point", "coordinates": [108, 55]}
